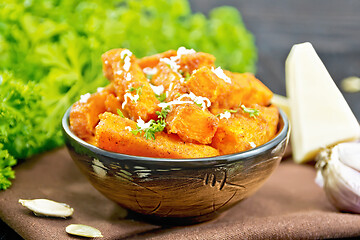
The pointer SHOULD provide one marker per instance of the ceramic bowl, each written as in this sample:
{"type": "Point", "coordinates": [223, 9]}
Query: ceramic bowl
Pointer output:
{"type": "Point", "coordinates": [177, 191]}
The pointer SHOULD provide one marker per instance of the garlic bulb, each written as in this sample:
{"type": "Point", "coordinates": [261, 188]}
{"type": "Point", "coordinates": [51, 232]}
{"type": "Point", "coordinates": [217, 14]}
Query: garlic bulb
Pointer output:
{"type": "Point", "coordinates": [339, 175]}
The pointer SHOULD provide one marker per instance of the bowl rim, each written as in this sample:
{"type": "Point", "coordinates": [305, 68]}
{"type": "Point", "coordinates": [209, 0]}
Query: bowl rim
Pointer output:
{"type": "Point", "coordinates": [281, 136]}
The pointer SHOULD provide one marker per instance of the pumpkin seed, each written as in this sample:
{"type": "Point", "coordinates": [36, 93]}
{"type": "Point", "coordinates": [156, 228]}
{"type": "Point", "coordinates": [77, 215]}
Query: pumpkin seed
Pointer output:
{"type": "Point", "coordinates": [48, 208]}
{"type": "Point", "coordinates": [83, 231]}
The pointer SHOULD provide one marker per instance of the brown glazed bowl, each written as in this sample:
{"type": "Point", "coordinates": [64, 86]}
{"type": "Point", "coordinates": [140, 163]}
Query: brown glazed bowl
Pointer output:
{"type": "Point", "coordinates": [177, 191]}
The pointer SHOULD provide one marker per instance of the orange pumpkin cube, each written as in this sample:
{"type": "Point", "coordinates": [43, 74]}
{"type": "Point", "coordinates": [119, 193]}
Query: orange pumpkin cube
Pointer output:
{"type": "Point", "coordinates": [113, 133]}
{"type": "Point", "coordinates": [131, 86]}
{"type": "Point", "coordinates": [191, 123]}
{"type": "Point", "coordinates": [241, 132]}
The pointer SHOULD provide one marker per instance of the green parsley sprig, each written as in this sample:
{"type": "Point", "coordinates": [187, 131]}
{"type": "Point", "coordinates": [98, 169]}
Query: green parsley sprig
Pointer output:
{"type": "Point", "coordinates": [161, 97]}
{"type": "Point", "coordinates": [154, 126]}
{"type": "Point", "coordinates": [119, 112]}
{"type": "Point", "coordinates": [251, 111]}
{"type": "Point", "coordinates": [227, 110]}
{"type": "Point", "coordinates": [137, 89]}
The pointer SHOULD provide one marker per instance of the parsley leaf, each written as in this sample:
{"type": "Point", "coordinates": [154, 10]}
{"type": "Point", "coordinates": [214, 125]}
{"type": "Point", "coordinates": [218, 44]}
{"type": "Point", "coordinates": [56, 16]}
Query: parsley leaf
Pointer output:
{"type": "Point", "coordinates": [154, 126]}
{"type": "Point", "coordinates": [226, 110]}
{"type": "Point", "coordinates": [137, 89]}
{"type": "Point", "coordinates": [120, 113]}
{"type": "Point", "coordinates": [161, 97]}
{"type": "Point", "coordinates": [251, 111]}
{"type": "Point", "coordinates": [187, 76]}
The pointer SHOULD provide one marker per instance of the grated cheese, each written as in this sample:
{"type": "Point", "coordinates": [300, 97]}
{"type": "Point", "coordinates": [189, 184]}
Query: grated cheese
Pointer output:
{"type": "Point", "coordinates": [252, 144]}
{"type": "Point", "coordinates": [203, 101]}
{"type": "Point", "coordinates": [127, 64]}
{"type": "Point", "coordinates": [175, 102]}
{"type": "Point", "coordinates": [128, 76]}
{"type": "Point", "coordinates": [100, 89]}
{"type": "Point", "coordinates": [157, 89]}
{"type": "Point", "coordinates": [220, 73]}
{"type": "Point", "coordinates": [127, 96]}
{"type": "Point", "coordinates": [150, 71]}
{"type": "Point", "coordinates": [142, 125]}
{"type": "Point", "coordinates": [184, 51]}
{"type": "Point", "coordinates": [118, 72]}
{"type": "Point", "coordinates": [173, 65]}
{"type": "Point", "coordinates": [226, 115]}
{"type": "Point", "coordinates": [128, 128]}
{"type": "Point", "coordinates": [125, 52]}
{"type": "Point", "coordinates": [84, 98]}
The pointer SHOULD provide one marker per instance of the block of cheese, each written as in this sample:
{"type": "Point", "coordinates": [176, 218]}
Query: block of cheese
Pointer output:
{"type": "Point", "coordinates": [320, 115]}
{"type": "Point", "coordinates": [281, 102]}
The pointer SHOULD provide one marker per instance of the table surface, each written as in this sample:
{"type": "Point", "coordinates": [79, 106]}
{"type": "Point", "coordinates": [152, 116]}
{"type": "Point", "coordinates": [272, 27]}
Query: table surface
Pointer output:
{"type": "Point", "coordinates": [332, 26]}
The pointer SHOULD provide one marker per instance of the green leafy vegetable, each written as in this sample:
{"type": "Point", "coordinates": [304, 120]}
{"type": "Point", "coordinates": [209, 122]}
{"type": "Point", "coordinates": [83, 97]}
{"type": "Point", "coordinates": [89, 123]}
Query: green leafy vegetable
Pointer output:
{"type": "Point", "coordinates": [161, 97]}
{"type": "Point", "coordinates": [138, 90]}
{"type": "Point", "coordinates": [230, 111]}
{"type": "Point", "coordinates": [251, 111]}
{"type": "Point", "coordinates": [154, 126]}
{"type": "Point", "coordinates": [6, 173]}
{"type": "Point", "coordinates": [52, 49]}
{"type": "Point", "coordinates": [119, 112]}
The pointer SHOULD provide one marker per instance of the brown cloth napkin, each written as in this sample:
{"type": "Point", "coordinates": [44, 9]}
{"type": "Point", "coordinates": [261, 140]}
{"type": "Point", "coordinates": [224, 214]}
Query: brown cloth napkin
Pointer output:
{"type": "Point", "coordinates": [288, 206]}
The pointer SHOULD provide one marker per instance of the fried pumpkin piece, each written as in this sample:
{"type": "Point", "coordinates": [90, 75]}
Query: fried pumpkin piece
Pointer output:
{"type": "Point", "coordinates": [131, 86]}
{"type": "Point", "coordinates": [204, 82]}
{"type": "Point", "coordinates": [230, 90]}
{"type": "Point", "coordinates": [190, 62]}
{"type": "Point", "coordinates": [191, 123]}
{"type": "Point", "coordinates": [112, 104]}
{"type": "Point", "coordinates": [84, 113]}
{"type": "Point", "coordinates": [240, 132]}
{"type": "Point", "coordinates": [170, 80]}
{"type": "Point", "coordinates": [153, 61]}
{"type": "Point", "coordinates": [245, 89]}
{"type": "Point", "coordinates": [113, 133]}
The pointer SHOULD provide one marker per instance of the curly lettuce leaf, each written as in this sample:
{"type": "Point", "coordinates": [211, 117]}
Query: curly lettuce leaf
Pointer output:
{"type": "Point", "coordinates": [6, 172]}
{"type": "Point", "coordinates": [21, 117]}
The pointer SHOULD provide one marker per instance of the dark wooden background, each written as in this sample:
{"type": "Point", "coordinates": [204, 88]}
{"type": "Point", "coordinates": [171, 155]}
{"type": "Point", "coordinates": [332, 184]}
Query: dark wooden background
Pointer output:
{"type": "Point", "coordinates": [332, 26]}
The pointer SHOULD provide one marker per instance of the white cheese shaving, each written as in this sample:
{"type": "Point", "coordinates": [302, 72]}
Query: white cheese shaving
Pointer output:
{"type": "Point", "coordinates": [100, 89]}
{"type": "Point", "coordinates": [157, 89]}
{"type": "Point", "coordinates": [252, 144]}
{"type": "Point", "coordinates": [106, 62]}
{"type": "Point", "coordinates": [127, 64]}
{"type": "Point", "coordinates": [84, 98]}
{"type": "Point", "coordinates": [128, 76]}
{"type": "Point", "coordinates": [175, 102]}
{"type": "Point", "coordinates": [203, 101]}
{"type": "Point", "coordinates": [118, 72]}
{"type": "Point", "coordinates": [226, 115]}
{"type": "Point", "coordinates": [171, 86]}
{"type": "Point", "coordinates": [184, 51]}
{"type": "Point", "coordinates": [173, 65]}
{"type": "Point", "coordinates": [128, 128]}
{"type": "Point", "coordinates": [142, 125]}
{"type": "Point", "coordinates": [150, 71]}
{"type": "Point", "coordinates": [182, 80]}
{"type": "Point", "coordinates": [125, 52]}
{"type": "Point", "coordinates": [220, 73]}
{"type": "Point", "coordinates": [127, 96]}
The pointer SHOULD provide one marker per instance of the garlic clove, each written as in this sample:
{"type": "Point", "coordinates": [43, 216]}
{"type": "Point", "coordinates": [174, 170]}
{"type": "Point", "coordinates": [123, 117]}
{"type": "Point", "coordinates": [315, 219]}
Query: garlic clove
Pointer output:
{"type": "Point", "coordinates": [349, 154]}
{"type": "Point", "coordinates": [340, 181]}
